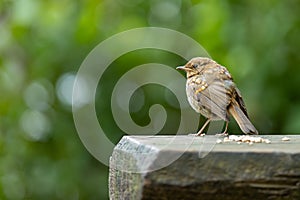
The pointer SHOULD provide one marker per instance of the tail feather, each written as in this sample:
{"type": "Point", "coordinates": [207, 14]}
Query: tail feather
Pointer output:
{"type": "Point", "coordinates": [242, 120]}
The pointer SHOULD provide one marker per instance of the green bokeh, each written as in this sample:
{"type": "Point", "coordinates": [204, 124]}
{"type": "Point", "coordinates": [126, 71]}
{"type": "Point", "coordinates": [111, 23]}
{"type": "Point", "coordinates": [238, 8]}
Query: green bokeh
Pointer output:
{"type": "Point", "coordinates": [43, 43]}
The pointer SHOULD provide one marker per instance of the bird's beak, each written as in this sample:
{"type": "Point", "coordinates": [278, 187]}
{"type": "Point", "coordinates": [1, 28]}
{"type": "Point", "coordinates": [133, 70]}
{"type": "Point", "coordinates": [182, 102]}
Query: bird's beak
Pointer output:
{"type": "Point", "coordinates": [181, 68]}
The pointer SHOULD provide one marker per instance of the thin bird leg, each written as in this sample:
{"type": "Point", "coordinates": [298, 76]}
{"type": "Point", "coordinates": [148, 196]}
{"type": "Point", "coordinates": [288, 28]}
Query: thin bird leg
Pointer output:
{"type": "Point", "coordinates": [224, 133]}
{"type": "Point", "coordinates": [203, 127]}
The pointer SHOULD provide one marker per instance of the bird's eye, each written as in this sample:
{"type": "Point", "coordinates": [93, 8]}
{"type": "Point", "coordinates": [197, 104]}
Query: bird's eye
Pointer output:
{"type": "Point", "coordinates": [194, 65]}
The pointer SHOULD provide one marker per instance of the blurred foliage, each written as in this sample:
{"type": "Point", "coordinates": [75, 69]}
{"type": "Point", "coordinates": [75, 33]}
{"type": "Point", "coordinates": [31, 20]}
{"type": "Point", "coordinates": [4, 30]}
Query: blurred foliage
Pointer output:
{"type": "Point", "coordinates": [43, 43]}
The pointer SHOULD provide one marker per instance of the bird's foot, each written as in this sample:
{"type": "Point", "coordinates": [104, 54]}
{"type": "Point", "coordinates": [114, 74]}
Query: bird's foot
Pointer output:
{"type": "Point", "coordinates": [224, 134]}
{"type": "Point", "coordinates": [197, 134]}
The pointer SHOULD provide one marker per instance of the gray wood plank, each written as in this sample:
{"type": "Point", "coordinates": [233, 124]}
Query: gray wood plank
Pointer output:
{"type": "Point", "coordinates": [187, 167]}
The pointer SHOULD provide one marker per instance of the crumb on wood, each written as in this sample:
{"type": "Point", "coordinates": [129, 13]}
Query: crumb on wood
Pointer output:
{"type": "Point", "coordinates": [286, 139]}
{"type": "Point", "coordinates": [245, 139]}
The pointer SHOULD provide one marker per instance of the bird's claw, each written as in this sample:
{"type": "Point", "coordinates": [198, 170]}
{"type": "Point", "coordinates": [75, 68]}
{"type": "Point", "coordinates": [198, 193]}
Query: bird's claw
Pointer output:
{"type": "Point", "coordinates": [197, 134]}
{"type": "Point", "coordinates": [224, 134]}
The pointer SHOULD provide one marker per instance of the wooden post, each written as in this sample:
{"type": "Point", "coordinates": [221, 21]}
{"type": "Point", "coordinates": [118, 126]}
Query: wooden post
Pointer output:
{"type": "Point", "coordinates": [188, 167]}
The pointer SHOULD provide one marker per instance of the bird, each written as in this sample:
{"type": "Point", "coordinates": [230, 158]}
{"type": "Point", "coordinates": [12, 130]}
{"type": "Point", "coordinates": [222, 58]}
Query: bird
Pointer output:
{"type": "Point", "coordinates": [211, 91]}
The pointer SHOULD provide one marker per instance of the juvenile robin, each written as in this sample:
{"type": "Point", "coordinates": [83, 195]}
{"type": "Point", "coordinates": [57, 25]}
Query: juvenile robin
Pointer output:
{"type": "Point", "coordinates": [212, 93]}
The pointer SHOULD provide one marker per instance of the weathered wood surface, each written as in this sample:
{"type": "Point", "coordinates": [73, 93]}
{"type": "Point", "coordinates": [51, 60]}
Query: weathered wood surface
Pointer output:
{"type": "Point", "coordinates": [187, 167]}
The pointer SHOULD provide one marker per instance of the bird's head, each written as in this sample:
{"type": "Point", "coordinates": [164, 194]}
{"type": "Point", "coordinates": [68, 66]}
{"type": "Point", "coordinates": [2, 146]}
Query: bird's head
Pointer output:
{"type": "Point", "coordinates": [195, 66]}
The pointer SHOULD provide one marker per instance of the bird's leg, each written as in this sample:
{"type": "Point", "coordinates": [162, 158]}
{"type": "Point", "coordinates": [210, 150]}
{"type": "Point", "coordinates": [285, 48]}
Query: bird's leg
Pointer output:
{"type": "Point", "coordinates": [202, 128]}
{"type": "Point", "coordinates": [224, 133]}
{"type": "Point", "coordinates": [226, 126]}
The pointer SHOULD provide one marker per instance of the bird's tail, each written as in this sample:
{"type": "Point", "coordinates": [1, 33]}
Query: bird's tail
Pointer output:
{"type": "Point", "coordinates": [242, 120]}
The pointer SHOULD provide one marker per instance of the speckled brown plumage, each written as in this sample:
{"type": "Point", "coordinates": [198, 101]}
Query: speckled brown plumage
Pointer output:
{"type": "Point", "coordinates": [212, 93]}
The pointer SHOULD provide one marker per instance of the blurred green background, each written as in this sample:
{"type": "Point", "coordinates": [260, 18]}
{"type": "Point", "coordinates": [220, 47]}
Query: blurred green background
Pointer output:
{"type": "Point", "coordinates": [43, 43]}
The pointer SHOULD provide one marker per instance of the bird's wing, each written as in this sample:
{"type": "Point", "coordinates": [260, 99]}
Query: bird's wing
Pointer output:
{"type": "Point", "coordinates": [213, 95]}
{"type": "Point", "coordinates": [240, 101]}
